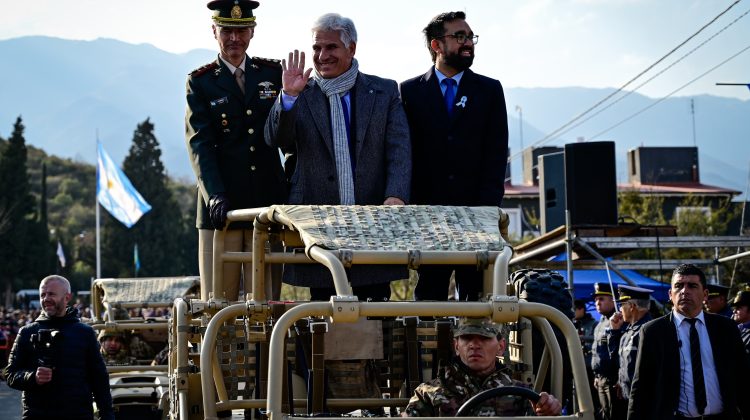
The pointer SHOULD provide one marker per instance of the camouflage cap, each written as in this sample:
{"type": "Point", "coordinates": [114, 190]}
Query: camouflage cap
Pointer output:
{"type": "Point", "coordinates": [477, 326]}
{"type": "Point", "coordinates": [110, 332]}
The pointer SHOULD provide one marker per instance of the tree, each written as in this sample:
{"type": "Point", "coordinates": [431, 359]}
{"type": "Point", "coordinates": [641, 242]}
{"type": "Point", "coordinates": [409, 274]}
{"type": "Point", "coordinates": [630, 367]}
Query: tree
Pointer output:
{"type": "Point", "coordinates": [16, 205]}
{"type": "Point", "coordinates": [159, 233]}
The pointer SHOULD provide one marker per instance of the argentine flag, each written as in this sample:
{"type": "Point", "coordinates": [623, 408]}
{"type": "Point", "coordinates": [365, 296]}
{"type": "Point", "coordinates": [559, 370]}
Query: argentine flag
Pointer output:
{"type": "Point", "coordinates": [115, 192]}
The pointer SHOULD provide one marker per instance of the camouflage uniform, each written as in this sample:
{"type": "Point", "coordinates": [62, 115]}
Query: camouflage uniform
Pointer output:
{"type": "Point", "coordinates": [456, 383]}
{"type": "Point", "coordinates": [122, 357]}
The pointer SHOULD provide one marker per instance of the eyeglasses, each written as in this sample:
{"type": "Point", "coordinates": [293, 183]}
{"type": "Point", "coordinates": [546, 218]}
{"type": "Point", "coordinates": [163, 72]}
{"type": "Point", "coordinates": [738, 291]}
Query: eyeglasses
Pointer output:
{"type": "Point", "coordinates": [461, 38]}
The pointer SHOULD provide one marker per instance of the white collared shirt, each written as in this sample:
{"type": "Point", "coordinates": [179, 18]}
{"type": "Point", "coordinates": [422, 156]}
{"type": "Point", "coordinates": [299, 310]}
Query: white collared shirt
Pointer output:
{"type": "Point", "coordinates": [231, 67]}
{"type": "Point", "coordinates": [687, 406]}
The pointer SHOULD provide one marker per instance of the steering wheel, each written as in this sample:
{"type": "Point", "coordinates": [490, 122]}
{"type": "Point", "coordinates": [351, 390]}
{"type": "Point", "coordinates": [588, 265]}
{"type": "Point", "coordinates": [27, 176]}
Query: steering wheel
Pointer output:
{"type": "Point", "coordinates": [502, 391]}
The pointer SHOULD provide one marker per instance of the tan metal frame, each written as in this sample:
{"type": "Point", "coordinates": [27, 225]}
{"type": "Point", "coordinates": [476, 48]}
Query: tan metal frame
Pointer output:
{"type": "Point", "coordinates": [345, 308]}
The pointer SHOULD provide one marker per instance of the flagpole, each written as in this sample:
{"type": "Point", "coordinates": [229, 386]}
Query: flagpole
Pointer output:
{"type": "Point", "coordinates": [96, 203]}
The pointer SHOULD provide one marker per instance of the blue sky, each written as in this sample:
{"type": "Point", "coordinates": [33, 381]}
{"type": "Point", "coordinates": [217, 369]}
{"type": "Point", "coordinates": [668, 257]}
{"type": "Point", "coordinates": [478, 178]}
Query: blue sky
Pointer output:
{"type": "Point", "coordinates": [529, 43]}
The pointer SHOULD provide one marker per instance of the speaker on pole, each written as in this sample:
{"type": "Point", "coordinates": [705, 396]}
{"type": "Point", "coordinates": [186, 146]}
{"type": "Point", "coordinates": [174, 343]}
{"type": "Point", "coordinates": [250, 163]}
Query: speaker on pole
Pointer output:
{"type": "Point", "coordinates": [551, 191]}
{"type": "Point", "coordinates": [591, 183]}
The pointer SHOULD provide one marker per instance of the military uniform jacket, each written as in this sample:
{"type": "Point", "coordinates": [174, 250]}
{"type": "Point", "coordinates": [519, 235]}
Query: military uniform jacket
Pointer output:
{"type": "Point", "coordinates": [628, 354]}
{"type": "Point", "coordinates": [224, 135]}
{"type": "Point", "coordinates": [444, 395]}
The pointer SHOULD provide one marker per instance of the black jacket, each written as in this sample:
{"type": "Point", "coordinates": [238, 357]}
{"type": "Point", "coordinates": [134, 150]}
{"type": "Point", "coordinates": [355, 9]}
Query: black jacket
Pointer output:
{"type": "Point", "coordinates": [458, 160]}
{"type": "Point", "coordinates": [79, 371]}
{"type": "Point", "coordinates": [656, 386]}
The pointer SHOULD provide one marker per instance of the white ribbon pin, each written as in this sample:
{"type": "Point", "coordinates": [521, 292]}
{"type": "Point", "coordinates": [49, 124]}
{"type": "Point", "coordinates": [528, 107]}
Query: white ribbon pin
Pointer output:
{"type": "Point", "coordinates": [462, 102]}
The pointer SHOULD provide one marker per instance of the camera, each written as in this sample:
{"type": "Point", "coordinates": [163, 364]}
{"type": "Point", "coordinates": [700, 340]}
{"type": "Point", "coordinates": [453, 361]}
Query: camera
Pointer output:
{"type": "Point", "coordinates": [44, 343]}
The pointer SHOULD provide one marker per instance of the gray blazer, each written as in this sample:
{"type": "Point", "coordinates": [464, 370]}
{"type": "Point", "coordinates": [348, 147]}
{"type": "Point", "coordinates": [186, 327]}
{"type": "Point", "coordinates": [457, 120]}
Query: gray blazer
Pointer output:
{"type": "Point", "coordinates": [382, 158]}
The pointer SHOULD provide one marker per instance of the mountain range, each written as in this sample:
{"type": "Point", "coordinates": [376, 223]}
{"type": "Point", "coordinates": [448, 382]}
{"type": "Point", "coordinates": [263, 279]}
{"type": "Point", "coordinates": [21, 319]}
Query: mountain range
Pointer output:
{"type": "Point", "coordinates": [69, 93]}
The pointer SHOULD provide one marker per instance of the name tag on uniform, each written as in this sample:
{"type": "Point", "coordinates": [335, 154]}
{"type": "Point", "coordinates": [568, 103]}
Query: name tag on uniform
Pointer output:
{"type": "Point", "coordinates": [219, 101]}
{"type": "Point", "coordinates": [265, 90]}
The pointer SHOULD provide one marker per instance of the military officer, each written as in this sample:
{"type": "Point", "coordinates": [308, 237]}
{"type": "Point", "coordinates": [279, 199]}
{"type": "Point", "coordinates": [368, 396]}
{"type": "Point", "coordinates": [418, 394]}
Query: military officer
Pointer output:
{"type": "Point", "coordinates": [634, 310]}
{"type": "Point", "coordinates": [604, 355]}
{"type": "Point", "coordinates": [717, 301]}
{"type": "Point", "coordinates": [227, 104]}
{"type": "Point", "coordinates": [477, 342]}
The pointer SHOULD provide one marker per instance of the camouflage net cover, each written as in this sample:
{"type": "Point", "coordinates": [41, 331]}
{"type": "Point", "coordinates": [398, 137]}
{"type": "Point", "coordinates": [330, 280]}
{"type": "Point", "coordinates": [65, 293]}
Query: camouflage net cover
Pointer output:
{"type": "Point", "coordinates": [396, 228]}
{"type": "Point", "coordinates": [146, 290]}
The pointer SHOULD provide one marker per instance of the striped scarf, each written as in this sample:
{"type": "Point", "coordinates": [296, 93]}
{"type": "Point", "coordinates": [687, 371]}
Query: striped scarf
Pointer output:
{"type": "Point", "coordinates": [334, 89]}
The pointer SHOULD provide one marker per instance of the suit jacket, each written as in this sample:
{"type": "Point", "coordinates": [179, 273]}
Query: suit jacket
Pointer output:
{"type": "Point", "coordinates": [657, 383]}
{"type": "Point", "coordinates": [224, 136]}
{"type": "Point", "coordinates": [457, 160]}
{"type": "Point", "coordinates": [382, 158]}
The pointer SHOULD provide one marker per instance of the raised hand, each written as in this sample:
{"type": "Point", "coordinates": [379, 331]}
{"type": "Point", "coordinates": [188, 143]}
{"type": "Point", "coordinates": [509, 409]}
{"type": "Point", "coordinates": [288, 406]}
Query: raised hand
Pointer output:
{"type": "Point", "coordinates": [294, 76]}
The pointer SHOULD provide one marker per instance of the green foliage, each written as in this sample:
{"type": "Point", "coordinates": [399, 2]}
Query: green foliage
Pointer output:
{"type": "Point", "coordinates": [644, 209]}
{"type": "Point", "coordinates": [161, 234]}
{"type": "Point", "coordinates": [70, 216]}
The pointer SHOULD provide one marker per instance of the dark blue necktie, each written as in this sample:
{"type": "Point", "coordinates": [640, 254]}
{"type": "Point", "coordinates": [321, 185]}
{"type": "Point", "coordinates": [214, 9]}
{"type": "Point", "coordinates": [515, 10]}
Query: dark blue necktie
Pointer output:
{"type": "Point", "coordinates": [347, 119]}
{"type": "Point", "coordinates": [695, 358]}
{"type": "Point", "coordinates": [450, 94]}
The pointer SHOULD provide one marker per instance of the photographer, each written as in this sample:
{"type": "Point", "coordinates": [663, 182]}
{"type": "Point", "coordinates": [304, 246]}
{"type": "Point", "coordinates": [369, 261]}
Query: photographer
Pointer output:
{"type": "Point", "coordinates": [56, 362]}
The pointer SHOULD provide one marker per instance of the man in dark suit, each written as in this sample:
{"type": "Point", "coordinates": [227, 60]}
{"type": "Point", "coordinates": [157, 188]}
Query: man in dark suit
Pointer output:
{"type": "Point", "coordinates": [690, 364]}
{"type": "Point", "coordinates": [351, 139]}
{"type": "Point", "coordinates": [459, 133]}
{"type": "Point", "coordinates": [227, 104]}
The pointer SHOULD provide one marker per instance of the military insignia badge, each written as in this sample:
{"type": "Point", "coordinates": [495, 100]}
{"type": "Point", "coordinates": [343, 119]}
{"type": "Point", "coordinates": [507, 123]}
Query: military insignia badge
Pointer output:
{"type": "Point", "coordinates": [236, 12]}
{"type": "Point", "coordinates": [266, 91]}
{"type": "Point", "coordinates": [220, 101]}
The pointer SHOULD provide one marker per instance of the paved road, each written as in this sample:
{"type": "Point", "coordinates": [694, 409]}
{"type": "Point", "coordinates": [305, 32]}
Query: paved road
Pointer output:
{"type": "Point", "coordinates": [10, 402]}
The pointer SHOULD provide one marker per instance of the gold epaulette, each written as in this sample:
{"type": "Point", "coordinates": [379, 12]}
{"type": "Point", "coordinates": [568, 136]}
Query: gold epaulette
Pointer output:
{"type": "Point", "coordinates": [203, 69]}
{"type": "Point", "coordinates": [269, 62]}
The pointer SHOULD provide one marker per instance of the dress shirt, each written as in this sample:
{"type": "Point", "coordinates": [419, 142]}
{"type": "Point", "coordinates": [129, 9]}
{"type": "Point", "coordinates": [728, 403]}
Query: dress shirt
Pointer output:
{"type": "Point", "coordinates": [231, 67]}
{"type": "Point", "coordinates": [441, 77]}
{"type": "Point", "coordinates": [287, 101]}
{"type": "Point", "coordinates": [687, 397]}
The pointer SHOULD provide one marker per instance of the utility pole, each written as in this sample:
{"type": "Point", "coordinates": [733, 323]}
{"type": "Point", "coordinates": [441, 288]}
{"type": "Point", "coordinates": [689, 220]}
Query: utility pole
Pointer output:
{"type": "Point", "coordinates": [692, 112]}
{"type": "Point", "coordinates": [520, 125]}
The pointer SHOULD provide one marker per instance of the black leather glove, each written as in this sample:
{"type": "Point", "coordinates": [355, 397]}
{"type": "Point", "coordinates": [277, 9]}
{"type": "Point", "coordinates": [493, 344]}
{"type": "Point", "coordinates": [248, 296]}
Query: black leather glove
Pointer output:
{"type": "Point", "coordinates": [218, 206]}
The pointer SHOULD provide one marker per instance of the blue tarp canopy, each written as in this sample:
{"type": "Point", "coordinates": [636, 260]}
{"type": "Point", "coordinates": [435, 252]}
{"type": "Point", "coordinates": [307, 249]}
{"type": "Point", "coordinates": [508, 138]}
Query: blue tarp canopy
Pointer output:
{"type": "Point", "coordinates": [583, 282]}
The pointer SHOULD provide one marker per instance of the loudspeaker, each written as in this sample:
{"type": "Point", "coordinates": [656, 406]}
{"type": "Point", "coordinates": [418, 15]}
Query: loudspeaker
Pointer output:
{"type": "Point", "coordinates": [551, 170]}
{"type": "Point", "coordinates": [591, 183]}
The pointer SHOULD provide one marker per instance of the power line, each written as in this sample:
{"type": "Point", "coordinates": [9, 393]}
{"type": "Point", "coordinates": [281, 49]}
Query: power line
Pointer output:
{"type": "Point", "coordinates": [671, 93]}
{"type": "Point", "coordinates": [628, 93]}
{"type": "Point", "coordinates": [582, 114]}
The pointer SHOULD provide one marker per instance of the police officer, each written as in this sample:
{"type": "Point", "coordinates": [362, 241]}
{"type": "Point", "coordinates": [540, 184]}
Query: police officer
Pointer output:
{"type": "Point", "coordinates": [227, 104]}
{"type": "Point", "coordinates": [741, 315]}
{"type": "Point", "coordinates": [604, 357]}
{"type": "Point", "coordinates": [634, 311]}
{"type": "Point", "coordinates": [718, 300]}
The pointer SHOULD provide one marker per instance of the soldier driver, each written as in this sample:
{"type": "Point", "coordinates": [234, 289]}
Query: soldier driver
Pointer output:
{"type": "Point", "coordinates": [477, 342]}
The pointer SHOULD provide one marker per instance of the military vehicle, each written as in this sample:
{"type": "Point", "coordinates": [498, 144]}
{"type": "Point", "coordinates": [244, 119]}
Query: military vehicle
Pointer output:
{"type": "Point", "coordinates": [262, 357]}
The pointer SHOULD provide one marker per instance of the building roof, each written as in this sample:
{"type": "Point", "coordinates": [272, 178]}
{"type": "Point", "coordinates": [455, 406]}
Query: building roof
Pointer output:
{"type": "Point", "coordinates": [679, 189]}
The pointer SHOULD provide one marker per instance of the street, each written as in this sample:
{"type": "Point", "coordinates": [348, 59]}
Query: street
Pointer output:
{"type": "Point", "coordinates": [10, 402]}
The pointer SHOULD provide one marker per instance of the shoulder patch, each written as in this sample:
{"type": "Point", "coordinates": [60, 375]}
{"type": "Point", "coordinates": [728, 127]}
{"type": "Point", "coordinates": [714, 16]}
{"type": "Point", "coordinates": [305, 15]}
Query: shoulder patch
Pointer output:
{"type": "Point", "coordinates": [203, 69]}
{"type": "Point", "coordinates": [268, 62]}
